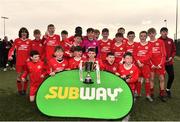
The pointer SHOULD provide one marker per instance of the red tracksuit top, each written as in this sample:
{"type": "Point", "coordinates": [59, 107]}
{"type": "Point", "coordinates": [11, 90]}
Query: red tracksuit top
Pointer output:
{"type": "Point", "coordinates": [170, 49]}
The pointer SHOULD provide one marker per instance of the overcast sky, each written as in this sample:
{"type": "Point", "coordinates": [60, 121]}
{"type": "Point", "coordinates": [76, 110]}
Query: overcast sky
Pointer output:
{"type": "Point", "coordinates": [133, 15]}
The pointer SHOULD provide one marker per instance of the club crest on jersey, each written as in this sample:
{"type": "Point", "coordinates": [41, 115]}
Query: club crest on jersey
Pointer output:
{"type": "Point", "coordinates": [157, 44]}
{"type": "Point", "coordinates": [131, 71]}
{"type": "Point", "coordinates": [114, 68]}
{"type": "Point", "coordinates": [63, 65]}
{"type": "Point", "coordinates": [39, 67]}
{"type": "Point", "coordinates": [146, 47]}
{"type": "Point", "coordinates": [108, 43]}
{"type": "Point", "coordinates": [27, 42]}
{"type": "Point", "coordinates": [121, 48]}
{"type": "Point", "coordinates": [169, 42]}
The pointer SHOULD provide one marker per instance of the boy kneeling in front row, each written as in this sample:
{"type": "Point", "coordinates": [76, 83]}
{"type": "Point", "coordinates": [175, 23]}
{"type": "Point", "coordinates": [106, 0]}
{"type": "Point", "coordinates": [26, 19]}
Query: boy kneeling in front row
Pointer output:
{"type": "Point", "coordinates": [128, 71]}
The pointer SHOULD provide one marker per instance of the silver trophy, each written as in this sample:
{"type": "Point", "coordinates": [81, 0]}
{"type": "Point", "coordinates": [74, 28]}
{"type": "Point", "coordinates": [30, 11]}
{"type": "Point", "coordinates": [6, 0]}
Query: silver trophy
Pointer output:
{"type": "Point", "coordinates": [89, 67]}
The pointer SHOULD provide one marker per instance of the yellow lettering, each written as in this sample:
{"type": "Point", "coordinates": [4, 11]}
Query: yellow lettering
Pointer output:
{"type": "Point", "coordinates": [52, 93]}
{"type": "Point", "coordinates": [60, 93]}
{"type": "Point", "coordinates": [73, 93]}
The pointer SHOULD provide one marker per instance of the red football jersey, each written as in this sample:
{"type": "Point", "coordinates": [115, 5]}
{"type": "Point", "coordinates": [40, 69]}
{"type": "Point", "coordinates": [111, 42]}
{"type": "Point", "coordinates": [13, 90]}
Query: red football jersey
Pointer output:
{"type": "Point", "coordinates": [130, 47]}
{"type": "Point", "coordinates": [158, 52]}
{"type": "Point", "coordinates": [56, 66]}
{"type": "Point", "coordinates": [71, 38]}
{"type": "Point", "coordinates": [105, 47]}
{"type": "Point", "coordinates": [143, 53]}
{"type": "Point", "coordinates": [35, 70]}
{"type": "Point", "coordinates": [118, 51]}
{"type": "Point", "coordinates": [74, 63]}
{"type": "Point", "coordinates": [23, 48]}
{"type": "Point", "coordinates": [133, 73]}
{"type": "Point", "coordinates": [37, 45]}
{"type": "Point", "coordinates": [49, 45]}
{"type": "Point", "coordinates": [113, 68]}
{"type": "Point", "coordinates": [66, 44]}
{"type": "Point", "coordinates": [124, 40]}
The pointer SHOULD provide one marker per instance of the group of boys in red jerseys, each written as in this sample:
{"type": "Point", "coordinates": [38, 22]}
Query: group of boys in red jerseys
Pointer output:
{"type": "Point", "coordinates": [132, 61]}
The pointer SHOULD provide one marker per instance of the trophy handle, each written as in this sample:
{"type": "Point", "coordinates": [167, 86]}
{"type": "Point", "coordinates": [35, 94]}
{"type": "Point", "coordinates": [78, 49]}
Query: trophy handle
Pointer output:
{"type": "Point", "coordinates": [80, 71]}
{"type": "Point", "coordinates": [98, 73]}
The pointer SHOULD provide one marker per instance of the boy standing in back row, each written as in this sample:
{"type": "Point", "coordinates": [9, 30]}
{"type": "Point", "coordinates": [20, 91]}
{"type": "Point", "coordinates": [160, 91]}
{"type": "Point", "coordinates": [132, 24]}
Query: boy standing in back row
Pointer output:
{"type": "Point", "coordinates": [142, 55]}
{"type": "Point", "coordinates": [170, 53]}
{"type": "Point", "coordinates": [50, 41]}
{"type": "Point", "coordinates": [37, 43]}
{"type": "Point", "coordinates": [104, 44]}
{"type": "Point", "coordinates": [157, 62]}
{"type": "Point", "coordinates": [22, 45]}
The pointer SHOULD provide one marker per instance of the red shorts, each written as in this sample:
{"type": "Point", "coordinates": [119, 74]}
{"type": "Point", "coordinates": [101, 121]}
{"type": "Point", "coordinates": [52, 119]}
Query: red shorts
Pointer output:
{"type": "Point", "coordinates": [144, 71]}
{"type": "Point", "coordinates": [161, 71]}
{"type": "Point", "coordinates": [20, 68]}
{"type": "Point", "coordinates": [34, 87]}
{"type": "Point", "coordinates": [33, 90]}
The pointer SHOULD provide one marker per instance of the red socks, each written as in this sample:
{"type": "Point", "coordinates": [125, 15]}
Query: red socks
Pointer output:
{"type": "Point", "coordinates": [147, 88]}
{"type": "Point", "coordinates": [162, 93]}
{"type": "Point", "coordinates": [25, 85]}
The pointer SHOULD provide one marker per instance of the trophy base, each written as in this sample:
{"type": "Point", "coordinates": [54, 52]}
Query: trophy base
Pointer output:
{"type": "Point", "coordinates": [88, 81]}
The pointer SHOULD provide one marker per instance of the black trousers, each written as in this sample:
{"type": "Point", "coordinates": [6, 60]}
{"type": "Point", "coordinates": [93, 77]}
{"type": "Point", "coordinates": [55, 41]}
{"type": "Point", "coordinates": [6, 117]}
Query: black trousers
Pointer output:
{"type": "Point", "coordinates": [5, 59]}
{"type": "Point", "coordinates": [170, 72]}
